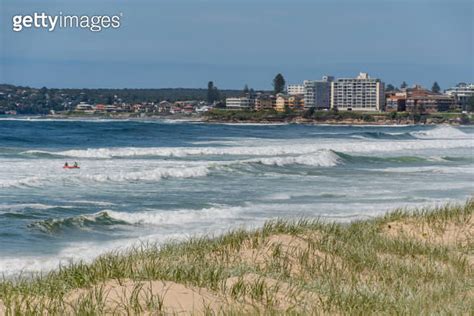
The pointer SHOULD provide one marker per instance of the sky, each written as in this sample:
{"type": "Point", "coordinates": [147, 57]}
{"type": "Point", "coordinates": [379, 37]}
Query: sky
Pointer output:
{"type": "Point", "coordinates": [186, 43]}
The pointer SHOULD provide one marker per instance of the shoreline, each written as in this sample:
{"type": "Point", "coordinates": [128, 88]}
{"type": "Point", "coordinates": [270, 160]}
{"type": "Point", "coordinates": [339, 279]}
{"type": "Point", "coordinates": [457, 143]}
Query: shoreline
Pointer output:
{"type": "Point", "coordinates": [293, 266]}
{"type": "Point", "coordinates": [207, 120]}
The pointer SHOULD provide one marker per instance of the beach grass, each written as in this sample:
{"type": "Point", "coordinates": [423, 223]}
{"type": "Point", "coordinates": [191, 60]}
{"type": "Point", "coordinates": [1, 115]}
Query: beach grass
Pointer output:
{"type": "Point", "coordinates": [406, 262]}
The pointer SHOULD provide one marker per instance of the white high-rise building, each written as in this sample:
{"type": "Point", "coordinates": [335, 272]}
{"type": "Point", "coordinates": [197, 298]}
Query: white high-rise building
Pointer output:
{"type": "Point", "coordinates": [294, 89]}
{"type": "Point", "coordinates": [358, 94]}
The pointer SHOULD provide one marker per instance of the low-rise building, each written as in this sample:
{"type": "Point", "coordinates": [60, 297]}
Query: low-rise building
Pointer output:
{"type": "Point", "coordinates": [296, 102]}
{"type": "Point", "coordinates": [395, 101]}
{"type": "Point", "coordinates": [239, 103]}
{"type": "Point", "coordinates": [203, 109]}
{"type": "Point", "coordinates": [99, 107]}
{"type": "Point", "coordinates": [289, 102]}
{"type": "Point", "coordinates": [188, 109]}
{"type": "Point", "coordinates": [281, 103]}
{"type": "Point", "coordinates": [425, 101]}
{"type": "Point", "coordinates": [112, 108]}
{"type": "Point", "coordinates": [83, 107]}
{"type": "Point", "coordinates": [164, 107]}
{"type": "Point", "coordinates": [265, 102]}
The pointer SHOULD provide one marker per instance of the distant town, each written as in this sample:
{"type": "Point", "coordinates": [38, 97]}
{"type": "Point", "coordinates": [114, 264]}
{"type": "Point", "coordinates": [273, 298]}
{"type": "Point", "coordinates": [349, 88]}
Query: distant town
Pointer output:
{"type": "Point", "coordinates": [362, 94]}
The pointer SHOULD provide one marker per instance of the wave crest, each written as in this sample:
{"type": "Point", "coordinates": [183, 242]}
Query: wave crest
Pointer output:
{"type": "Point", "coordinates": [462, 140]}
{"type": "Point", "coordinates": [323, 158]}
{"type": "Point", "coordinates": [152, 175]}
{"type": "Point", "coordinates": [441, 132]}
{"type": "Point", "coordinates": [54, 225]}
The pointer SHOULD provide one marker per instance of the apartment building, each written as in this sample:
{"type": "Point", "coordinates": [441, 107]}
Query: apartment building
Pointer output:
{"type": "Point", "coordinates": [317, 93]}
{"type": "Point", "coordinates": [290, 102]}
{"type": "Point", "coordinates": [295, 89]}
{"type": "Point", "coordinates": [239, 103]}
{"type": "Point", "coordinates": [462, 93]}
{"type": "Point", "coordinates": [396, 101]}
{"type": "Point", "coordinates": [265, 102]}
{"type": "Point", "coordinates": [362, 93]}
{"type": "Point", "coordinates": [425, 101]}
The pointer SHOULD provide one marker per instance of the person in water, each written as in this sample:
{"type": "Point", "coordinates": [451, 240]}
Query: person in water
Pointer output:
{"type": "Point", "coordinates": [75, 164]}
{"type": "Point", "coordinates": [66, 164]}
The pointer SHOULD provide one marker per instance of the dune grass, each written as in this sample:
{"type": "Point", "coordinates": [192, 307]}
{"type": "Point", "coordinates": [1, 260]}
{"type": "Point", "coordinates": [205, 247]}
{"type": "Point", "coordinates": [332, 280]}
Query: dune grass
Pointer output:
{"type": "Point", "coordinates": [407, 262]}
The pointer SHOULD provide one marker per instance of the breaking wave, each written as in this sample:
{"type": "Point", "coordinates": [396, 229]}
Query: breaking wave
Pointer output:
{"type": "Point", "coordinates": [25, 182]}
{"type": "Point", "coordinates": [323, 158]}
{"type": "Point", "coordinates": [276, 150]}
{"type": "Point", "coordinates": [441, 132]}
{"type": "Point", "coordinates": [152, 175]}
{"type": "Point", "coordinates": [151, 217]}
{"type": "Point", "coordinates": [55, 225]}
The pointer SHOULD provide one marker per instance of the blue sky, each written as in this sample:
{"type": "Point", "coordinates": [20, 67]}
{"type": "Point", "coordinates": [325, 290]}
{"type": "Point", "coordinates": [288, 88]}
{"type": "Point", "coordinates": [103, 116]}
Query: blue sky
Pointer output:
{"type": "Point", "coordinates": [185, 43]}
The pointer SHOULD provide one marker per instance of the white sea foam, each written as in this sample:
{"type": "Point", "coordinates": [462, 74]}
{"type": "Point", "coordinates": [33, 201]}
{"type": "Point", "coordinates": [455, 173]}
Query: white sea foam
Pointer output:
{"type": "Point", "coordinates": [24, 182]}
{"type": "Point", "coordinates": [274, 150]}
{"type": "Point", "coordinates": [441, 132]}
{"type": "Point", "coordinates": [323, 158]}
{"type": "Point", "coordinates": [22, 206]}
{"type": "Point", "coordinates": [430, 169]}
{"type": "Point", "coordinates": [176, 217]}
{"type": "Point", "coordinates": [99, 203]}
{"type": "Point", "coordinates": [151, 175]}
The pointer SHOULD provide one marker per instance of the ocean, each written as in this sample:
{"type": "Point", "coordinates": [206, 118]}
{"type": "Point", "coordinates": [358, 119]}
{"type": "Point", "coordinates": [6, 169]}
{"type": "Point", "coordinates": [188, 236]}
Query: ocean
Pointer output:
{"type": "Point", "coordinates": [159, 180]}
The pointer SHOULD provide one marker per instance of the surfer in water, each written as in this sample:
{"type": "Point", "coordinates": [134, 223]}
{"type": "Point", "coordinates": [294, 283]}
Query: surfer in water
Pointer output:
{"type": "Point", "coordinates": [66, 165]}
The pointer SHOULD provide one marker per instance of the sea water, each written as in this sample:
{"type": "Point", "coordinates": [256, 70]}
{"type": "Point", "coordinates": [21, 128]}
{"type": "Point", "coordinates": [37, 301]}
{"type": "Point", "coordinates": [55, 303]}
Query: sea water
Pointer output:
{"type": "Point", "coordinates": [158, 180]}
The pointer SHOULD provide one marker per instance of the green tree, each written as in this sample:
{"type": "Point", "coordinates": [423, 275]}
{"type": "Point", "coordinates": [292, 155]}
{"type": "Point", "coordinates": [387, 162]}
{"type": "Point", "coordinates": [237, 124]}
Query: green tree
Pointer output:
{"type": "Point", "coordinates": [210, 92]}
{"type": "Point", "coordinates": [246, 89]}
{"type": "Point", "coordinates": [435, 87]}
{"type": "Point", "coordinates": [389, 87]}
{"type": "Point", "coordinates": [278, 84]}
{"type": "Point", "coordinates": [252, 92]}
{"type": "Point", "coordinates": [110, 99]}
{"type": "Point", "coordinates": [404, 85]}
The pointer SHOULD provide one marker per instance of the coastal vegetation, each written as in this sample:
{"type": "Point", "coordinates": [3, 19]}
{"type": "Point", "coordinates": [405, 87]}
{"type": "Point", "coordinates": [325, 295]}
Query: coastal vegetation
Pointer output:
{"type": "Point", "coordinates": [406, 262]}
{"type": "Point", "coordinates": [27, 100]}
{"type": "Point", "coordinates": [349, 117]}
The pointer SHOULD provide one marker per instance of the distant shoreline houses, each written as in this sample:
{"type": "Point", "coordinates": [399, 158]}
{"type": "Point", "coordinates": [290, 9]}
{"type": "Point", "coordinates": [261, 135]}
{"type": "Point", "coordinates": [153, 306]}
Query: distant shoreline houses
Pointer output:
{"type": "Point", "coordinates": [163, 107]}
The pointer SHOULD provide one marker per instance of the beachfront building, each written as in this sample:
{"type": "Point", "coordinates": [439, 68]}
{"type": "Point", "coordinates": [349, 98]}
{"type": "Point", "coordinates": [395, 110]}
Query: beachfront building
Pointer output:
{"type": "Point", "coordinates": [395, 101]}
{"type": "Point", "coordinates": [100, 107]}
{"type": "Point", "coordinates": [295, 89]}
{"type": "Point", "coordinates": [281, 104]}
{"type": "Point", "coordinates": [362, 93]}
{"type": "Point", "coordinates": [84, 107]}
{"type": "Point", "coordinates": [317, 93]}
{"type": "Point", "coordinates": [296, 102]}
{"type": "Point", "coordinates": [265, 102]}
{"type": "Point", "coordinates": [164, 106]}
{"type": "Point", "coordinates": [289, 102]}
{"type": "Point", "coordinates": [461, 93]}
{"type": "Point", "coordinates": [239, 103]}
{"type": "Point", "coordinates": [425, 101]}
